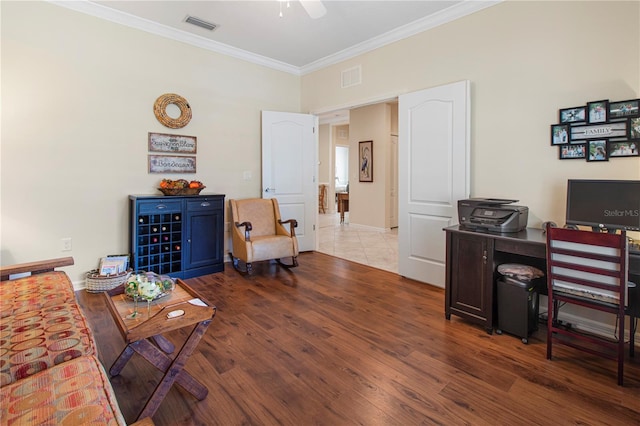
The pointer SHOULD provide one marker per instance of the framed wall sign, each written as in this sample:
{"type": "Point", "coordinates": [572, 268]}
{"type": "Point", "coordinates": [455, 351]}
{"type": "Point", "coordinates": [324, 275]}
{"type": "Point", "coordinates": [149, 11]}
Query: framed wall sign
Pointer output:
{"type": "Point", "coordinates": [365, 161]}
{"type": "Point", "coordinates": [162, 142]}
{"type": "Point", "coordinates": [172, 164]}
{"type": "Point", "coordinates": [597, 131]}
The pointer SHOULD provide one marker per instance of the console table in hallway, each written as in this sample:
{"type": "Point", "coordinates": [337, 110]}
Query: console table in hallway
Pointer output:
{"type": "Point", "coordinates": [343, 204]}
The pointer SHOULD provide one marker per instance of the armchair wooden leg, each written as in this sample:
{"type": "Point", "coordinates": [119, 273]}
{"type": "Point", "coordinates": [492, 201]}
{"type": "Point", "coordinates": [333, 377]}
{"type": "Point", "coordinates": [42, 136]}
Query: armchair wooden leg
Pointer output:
{"type": "Point", "coordinates": [294, 262]}
{"type": "Point", "coordinates": [235, 262]}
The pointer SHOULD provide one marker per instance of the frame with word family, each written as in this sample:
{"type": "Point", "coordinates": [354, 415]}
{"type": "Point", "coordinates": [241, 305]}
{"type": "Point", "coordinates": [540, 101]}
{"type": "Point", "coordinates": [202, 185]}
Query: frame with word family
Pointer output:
{"type": "Point", "coordinates": [598, 130]}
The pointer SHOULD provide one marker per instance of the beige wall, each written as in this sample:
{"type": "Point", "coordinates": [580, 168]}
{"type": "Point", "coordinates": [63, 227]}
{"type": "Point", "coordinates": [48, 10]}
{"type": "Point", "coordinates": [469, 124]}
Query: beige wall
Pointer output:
{"type": "Point", "coordinates": [77, 98]}
{"type": "Point", "coordinates": [375, 122]}
{"type": "Point", "coordinates": [525, 60]}
{"type": "Point", "coordinates": [325, 154]}
{"type": "Point", "coordinates": [78, 92]}
{"type": "Point", "coordinates": [368, 200]}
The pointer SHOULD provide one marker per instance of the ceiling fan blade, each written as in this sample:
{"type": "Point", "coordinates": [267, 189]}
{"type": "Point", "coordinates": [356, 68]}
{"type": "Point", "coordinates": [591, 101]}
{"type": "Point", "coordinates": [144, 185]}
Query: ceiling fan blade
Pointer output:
{"type": "Point", "coordinates": [314, 8]}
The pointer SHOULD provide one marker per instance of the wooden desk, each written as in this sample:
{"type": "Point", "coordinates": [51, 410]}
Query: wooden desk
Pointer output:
{"type": "Point", "coordinates": [343, 204]}
{"type": "Point", "coordinates": [473, 256]}
{"type": "Point", "coordinates": [183, 307]}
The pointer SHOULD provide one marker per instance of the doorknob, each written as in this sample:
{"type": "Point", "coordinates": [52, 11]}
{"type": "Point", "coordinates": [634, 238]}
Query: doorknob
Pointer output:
{"type": "Point", "coordinates": [269, 189]}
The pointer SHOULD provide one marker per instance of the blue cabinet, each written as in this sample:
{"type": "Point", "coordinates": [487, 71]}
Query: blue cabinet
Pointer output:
{"type": "Point", "coordinates": [182, 236]}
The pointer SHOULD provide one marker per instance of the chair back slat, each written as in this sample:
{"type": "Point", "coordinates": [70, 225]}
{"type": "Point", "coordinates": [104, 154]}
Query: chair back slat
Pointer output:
{"type": "Point", "coordinates": [588, 269]}
{"type": "Point", "coordinates": [583, 261]}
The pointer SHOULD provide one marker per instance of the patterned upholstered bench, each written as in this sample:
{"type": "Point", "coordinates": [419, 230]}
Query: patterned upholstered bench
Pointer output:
{"type": "Point", "coordinates": [49, 372]}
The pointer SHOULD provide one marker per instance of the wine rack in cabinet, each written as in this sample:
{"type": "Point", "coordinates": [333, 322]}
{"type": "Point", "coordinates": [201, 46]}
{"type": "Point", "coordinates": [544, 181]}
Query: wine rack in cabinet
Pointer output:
{"type": "Point", "coordinates": [181, 236]}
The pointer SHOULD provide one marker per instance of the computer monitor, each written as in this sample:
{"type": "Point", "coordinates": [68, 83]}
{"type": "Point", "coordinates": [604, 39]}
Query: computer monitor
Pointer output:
{"type": "Point", "coordinates": [604, 204]}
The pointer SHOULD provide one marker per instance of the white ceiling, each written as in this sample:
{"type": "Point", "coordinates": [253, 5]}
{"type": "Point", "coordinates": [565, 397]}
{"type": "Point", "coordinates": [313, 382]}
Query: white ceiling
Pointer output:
{"type": "Point", "coordinates": [253, 30]}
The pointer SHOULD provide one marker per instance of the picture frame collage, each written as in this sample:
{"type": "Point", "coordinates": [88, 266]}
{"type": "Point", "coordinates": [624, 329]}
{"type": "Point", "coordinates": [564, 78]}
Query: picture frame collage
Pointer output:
{"type": "Point", "coordinates": [598, 131]}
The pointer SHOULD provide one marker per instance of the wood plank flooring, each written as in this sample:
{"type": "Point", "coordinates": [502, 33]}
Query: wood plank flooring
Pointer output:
{"type": "Point", "coordinates": [338, 343]}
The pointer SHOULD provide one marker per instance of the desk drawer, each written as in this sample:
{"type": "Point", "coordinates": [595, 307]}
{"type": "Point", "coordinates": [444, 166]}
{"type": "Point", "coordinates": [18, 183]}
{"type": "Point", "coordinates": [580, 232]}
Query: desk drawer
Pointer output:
{"type": "Point", "coordinates": [522, 248]}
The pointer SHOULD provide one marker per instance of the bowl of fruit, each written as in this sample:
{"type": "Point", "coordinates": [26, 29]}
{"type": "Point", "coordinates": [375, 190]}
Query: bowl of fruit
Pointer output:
{"type": "Point", "coordinates": [180, 187]}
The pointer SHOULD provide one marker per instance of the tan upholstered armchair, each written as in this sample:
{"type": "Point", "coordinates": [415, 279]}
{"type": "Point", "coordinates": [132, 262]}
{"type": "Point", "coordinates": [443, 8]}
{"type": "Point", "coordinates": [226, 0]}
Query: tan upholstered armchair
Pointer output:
{"type": "Point", "coordinates": [259, 234]}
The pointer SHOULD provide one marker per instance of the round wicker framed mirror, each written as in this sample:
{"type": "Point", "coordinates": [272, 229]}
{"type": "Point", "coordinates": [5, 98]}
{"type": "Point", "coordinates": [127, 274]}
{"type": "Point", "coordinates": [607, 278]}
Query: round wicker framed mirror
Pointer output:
{"type": "Point", "coordinates": [160, 110]}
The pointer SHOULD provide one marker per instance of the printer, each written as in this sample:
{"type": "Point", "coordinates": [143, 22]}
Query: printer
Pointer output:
{"type": "Point", "coordinates": [492, 214]}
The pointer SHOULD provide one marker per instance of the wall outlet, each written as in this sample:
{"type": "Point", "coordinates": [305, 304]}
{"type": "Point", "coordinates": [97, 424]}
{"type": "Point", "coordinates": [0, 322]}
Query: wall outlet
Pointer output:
{"type": "Point", "coordinates": [66, 244]}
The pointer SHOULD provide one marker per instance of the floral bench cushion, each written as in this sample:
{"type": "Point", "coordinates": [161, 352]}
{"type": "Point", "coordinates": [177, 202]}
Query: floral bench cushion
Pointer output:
{"type": "Point", "coordinates": [73, 393]}
{"type": "Point", "coordinates": [38, 339]}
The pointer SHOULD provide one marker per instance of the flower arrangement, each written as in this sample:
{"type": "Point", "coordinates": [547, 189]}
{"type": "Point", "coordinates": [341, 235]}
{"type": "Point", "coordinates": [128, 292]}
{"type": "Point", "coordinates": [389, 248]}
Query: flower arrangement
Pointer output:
{"type": "Point", "coordinates": [147, 286]}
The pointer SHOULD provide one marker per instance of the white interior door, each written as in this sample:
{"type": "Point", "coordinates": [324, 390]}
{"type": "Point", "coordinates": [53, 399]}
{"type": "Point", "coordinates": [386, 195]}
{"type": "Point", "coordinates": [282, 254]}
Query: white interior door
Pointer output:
{"type": "Point", "coordinates": [289, 169]}
{"type": "Point", "coordinates": [434, 173]}
{"type": "Point", "coordinates": [393, 182]}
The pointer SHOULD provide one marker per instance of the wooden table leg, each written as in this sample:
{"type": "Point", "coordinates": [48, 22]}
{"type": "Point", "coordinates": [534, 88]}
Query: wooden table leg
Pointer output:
{"type": "Point", "coordinates": [174, 370]}
{"type": "Point", "coordinates": [164, 344]}
{"type": "Point", "coordinates": [122, 360]}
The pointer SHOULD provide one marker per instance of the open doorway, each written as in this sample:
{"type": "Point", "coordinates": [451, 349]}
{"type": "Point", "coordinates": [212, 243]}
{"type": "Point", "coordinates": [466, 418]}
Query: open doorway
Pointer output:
{"type": "Point", "coordinates": [371, 243]}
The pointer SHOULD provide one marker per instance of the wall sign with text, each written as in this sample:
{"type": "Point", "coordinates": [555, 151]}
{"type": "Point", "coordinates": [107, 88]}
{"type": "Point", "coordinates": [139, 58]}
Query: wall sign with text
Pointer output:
{"type": "Point", "coordinates": [598, 130]}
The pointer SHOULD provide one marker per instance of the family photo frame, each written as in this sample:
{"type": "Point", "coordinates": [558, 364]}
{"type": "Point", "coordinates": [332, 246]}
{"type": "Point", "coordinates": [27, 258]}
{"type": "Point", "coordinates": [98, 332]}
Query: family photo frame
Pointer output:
{"type": "Point", "coordinates": [634, 128]}
{"type": "Point", "coordinates": [597, 150]}
{"type": "Point", "coordinates": [598, 111]}
{"type": "Point", "coordinates": [624, 109]}
{"type": "Point", "coordinates": [573, 152]}
{"type": "Point", "coordinates": [560, 134]}
{"type": "Point", "coordinates": [365, 161]}
{"type": "Point", "coordinates": [623, 148]}
{"type": "Point", "coordinates": [573, 115]}
{"type": "Point", "coordinates": [598, 131]}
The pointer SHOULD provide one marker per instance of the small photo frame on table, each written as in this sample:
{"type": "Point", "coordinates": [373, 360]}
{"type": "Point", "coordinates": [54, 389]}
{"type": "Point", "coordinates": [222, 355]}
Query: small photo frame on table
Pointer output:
{"type": "Point", "coordinates": [598, 111]}
{"type": "Point", "coordinates": [623, 148]}
{"type": "Point", "coordinates": [624, 109]}
{"type": "Point", "coordinates": [573, 115]}
{"type": "Point", "coordinates": [634, 128]}
{"type": "Point", "coordinates": [560, 134]}
{"type": "Point", "coordinates": [365, 161]}
{"type": "Point", "coordinates": [573, 152]}
{"type": "Point", "coordinates": [597, 150]}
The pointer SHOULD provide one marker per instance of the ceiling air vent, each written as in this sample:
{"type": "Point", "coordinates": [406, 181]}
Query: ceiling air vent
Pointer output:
{"type": "Point", "coordinates": [352, 76]}
{"type": "Point", "coordinates": [201, 23]}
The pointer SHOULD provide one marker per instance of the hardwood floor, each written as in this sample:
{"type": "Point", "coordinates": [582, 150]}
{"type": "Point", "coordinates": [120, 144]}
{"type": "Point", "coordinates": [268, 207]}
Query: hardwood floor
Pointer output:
{"type": "Point", "coordinates": [339, 343]}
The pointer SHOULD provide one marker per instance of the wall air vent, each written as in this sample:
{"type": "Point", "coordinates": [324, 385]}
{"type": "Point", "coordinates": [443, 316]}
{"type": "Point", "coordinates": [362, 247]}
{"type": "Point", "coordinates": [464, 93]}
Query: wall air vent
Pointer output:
{"type": "Point", "coordinates": [201, 23]}
{"type": "Point", "coordinates": [352, 76]}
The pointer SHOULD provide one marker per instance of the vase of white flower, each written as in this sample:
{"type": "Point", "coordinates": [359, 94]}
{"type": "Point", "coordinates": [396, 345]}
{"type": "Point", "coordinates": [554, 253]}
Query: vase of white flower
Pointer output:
{"type": "Point", "coordinates": [147, 286]}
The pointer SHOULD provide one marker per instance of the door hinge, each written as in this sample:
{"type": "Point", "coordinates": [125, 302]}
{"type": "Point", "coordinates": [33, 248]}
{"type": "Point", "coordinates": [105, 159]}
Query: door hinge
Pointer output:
{"type": "Point", "coordinates": [314, 227]}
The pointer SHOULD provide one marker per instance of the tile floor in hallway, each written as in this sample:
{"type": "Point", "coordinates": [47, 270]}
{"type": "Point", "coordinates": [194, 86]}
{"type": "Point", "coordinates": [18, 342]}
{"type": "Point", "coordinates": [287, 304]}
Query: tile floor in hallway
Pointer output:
{"type": "Point", "coordinates": [370, 247]}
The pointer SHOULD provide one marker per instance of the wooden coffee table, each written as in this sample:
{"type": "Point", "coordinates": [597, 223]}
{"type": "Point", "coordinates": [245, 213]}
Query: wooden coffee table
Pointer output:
{"type": "Point", "coordinates": [183, 307]}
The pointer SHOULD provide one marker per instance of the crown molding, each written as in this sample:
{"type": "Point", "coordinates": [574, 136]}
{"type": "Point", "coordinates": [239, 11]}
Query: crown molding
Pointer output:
{"type": "Point", "coordinates": [136, 22]}
{"type": "Point", "coordinates": [452, 13]}
{"type": "Point", "coordinates": [459, 10]}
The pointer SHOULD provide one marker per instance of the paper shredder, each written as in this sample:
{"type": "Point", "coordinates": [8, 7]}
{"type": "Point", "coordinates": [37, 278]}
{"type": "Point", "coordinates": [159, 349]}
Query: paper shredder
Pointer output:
{"type": "Point", "coordinates": [518, 300]}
